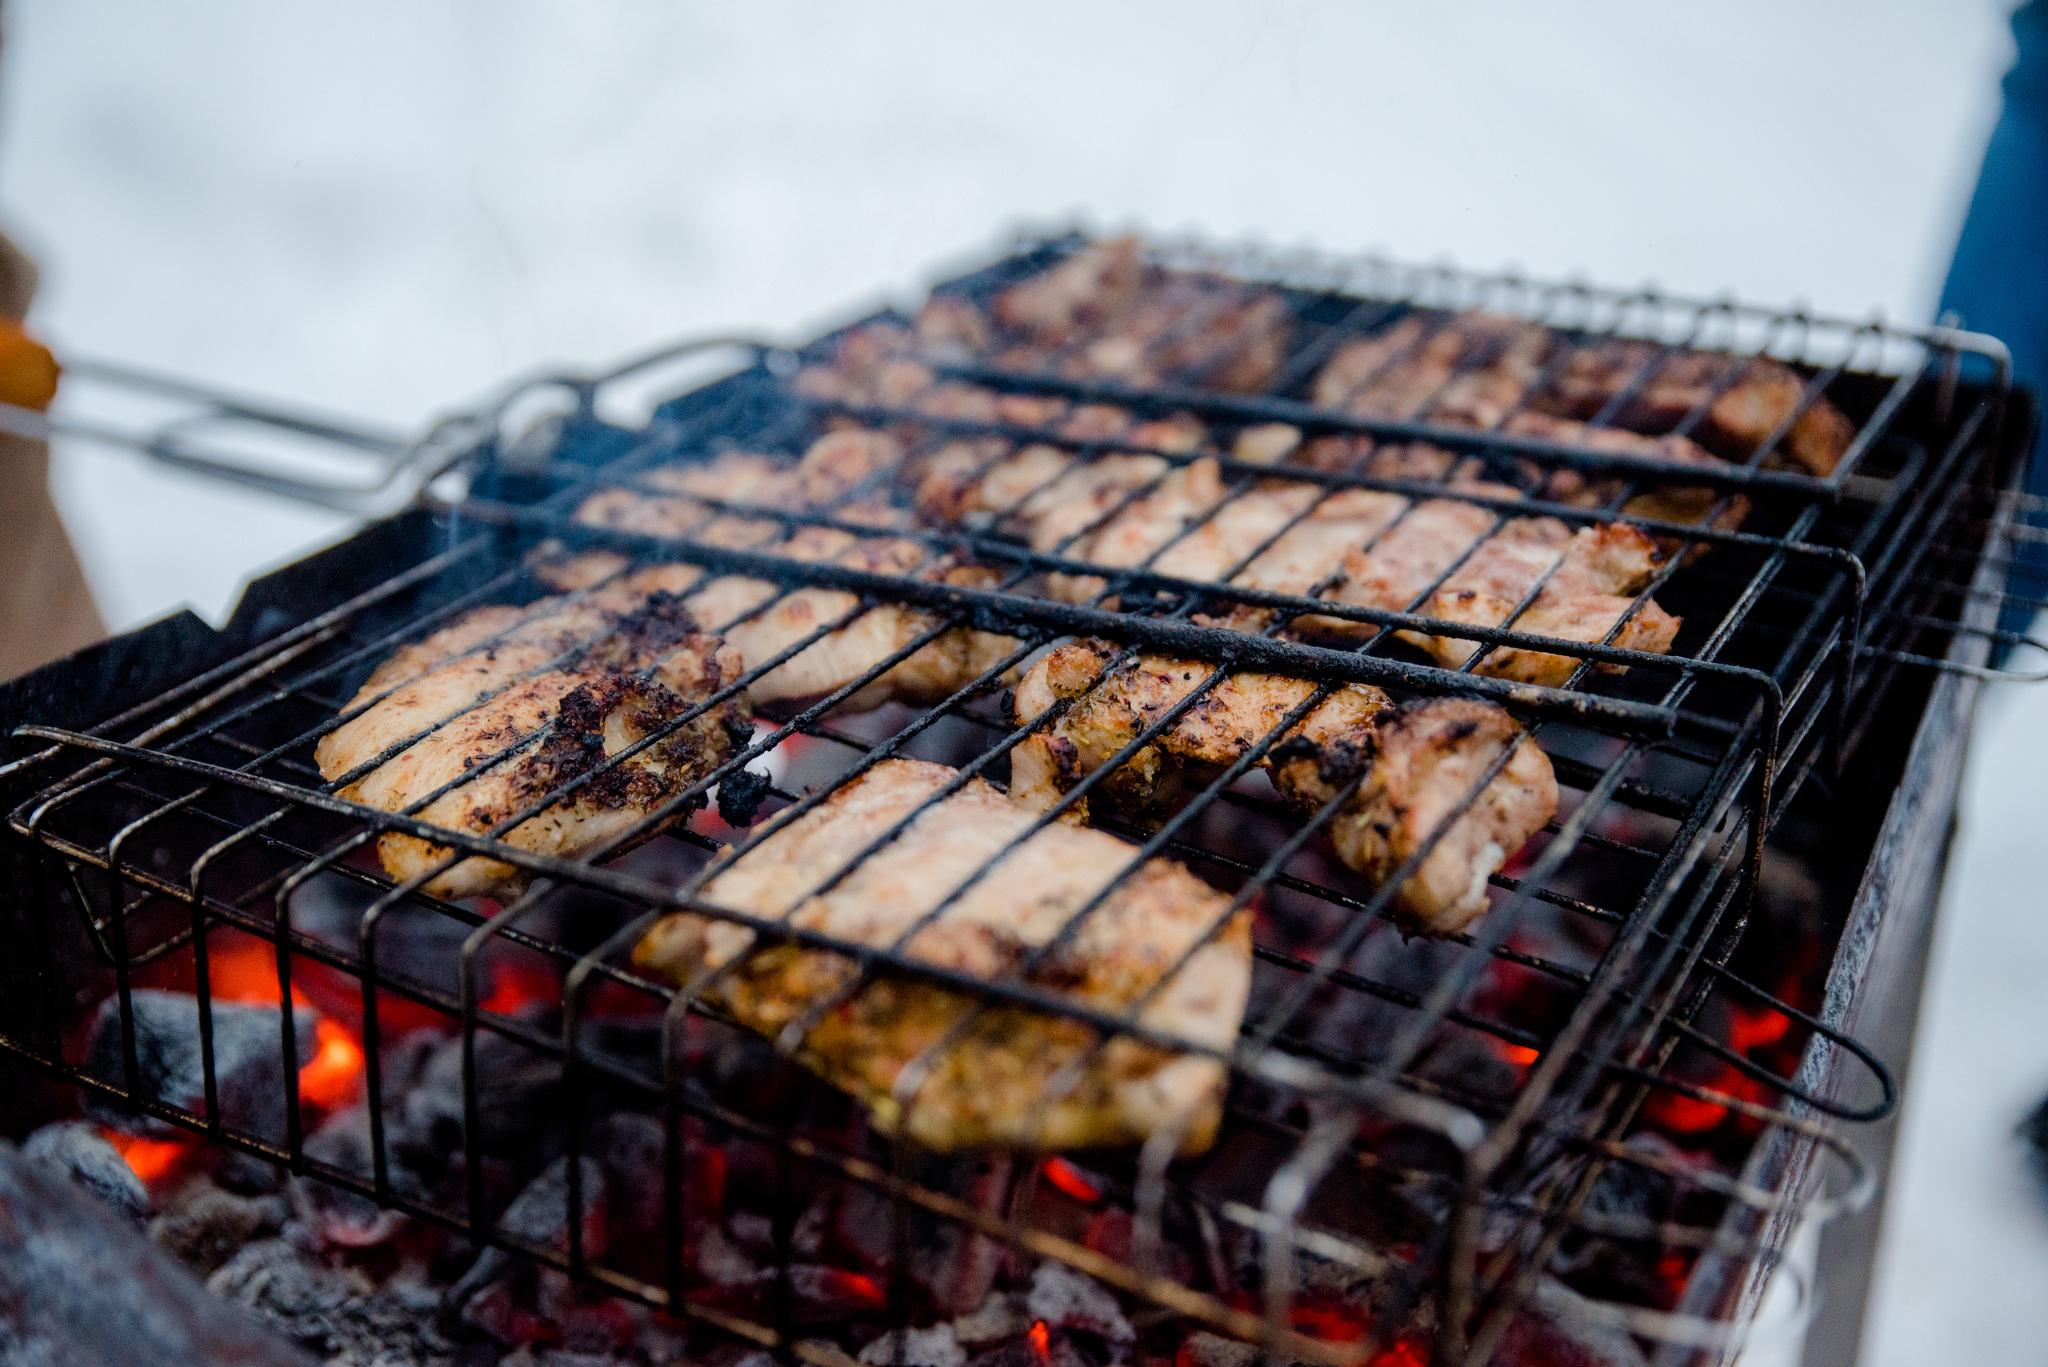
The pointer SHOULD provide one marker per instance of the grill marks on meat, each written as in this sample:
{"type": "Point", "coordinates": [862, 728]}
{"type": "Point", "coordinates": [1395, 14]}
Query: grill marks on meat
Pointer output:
{"type": "Point", "coordinates": [1428, 760]}
{"type": "Point", "coordinates": [1421, 760]}
{"type": "Point", "coordinates": [733, 605]}
{"type": "Point", "coordinates": [990, 1087]}
{"type": "Point", "coordinates": [1736, 405]}
{"type": "Point", "coordinates": [1104, 313]}
{"type": "Point", "coordinates": [1109, 711]}
{"type": "Point", "coordinates": [1478, 369]}
{"type": "Point", "coordinates": [632, 666]}
{"type": "Point", "coordinates": [1588, 582]}
{"type": "Point", "coordinates": [1469, 369]}
{"type": "Point", "coordinates": [1694, 505]}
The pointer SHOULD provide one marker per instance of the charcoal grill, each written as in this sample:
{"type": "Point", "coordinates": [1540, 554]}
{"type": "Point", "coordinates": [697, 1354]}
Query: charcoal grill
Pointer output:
{"type": "Point", "coordinates": [160, 795]}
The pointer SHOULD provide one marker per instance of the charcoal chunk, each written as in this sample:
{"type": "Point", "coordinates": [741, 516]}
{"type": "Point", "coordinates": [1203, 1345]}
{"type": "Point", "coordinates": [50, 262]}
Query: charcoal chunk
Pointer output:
{"type": "Point", "coordinates": [336, 1214]}
{"type": "Point", "coordinates": [248, 1061]}
{"type": "Point", "coordinates": [335, 1312]}
{"type": "Point", "coordinates": [205, 1230]}
{"type": "Point", "coordinates": [82, 1153]}
{"type": "Point", "coordinates": [540, 1215]}
{"type": "Point", "coordinates": [1072, 1300]}
{"type": "Point", "coordinates": [81, 1287]}
{"type": "Point", "coordinates": [933, 1347]}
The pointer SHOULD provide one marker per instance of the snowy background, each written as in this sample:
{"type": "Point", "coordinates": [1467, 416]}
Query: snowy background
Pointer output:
{"type": "Point", "coordinates": [385, 207]}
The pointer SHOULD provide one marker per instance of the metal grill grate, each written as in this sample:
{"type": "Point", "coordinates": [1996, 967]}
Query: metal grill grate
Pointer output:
{"type": "Point", "coordinates": [1523, 1050]}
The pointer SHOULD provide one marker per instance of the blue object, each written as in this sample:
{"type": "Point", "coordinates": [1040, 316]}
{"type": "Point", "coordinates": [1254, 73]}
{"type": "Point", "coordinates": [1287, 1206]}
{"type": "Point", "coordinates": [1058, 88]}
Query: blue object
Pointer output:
{"type": "Point", "coordinates": [1998, 281]}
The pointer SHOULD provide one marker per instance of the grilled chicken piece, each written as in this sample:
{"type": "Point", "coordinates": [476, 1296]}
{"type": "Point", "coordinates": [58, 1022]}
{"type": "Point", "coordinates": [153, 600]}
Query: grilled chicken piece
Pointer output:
{"type": "Point", "coordinates": [1049, 490]}
{"type": "Point", "coordinates": [1078, 296]}
{"type": "Point", "coordinates": [1311, 553]}
{"type": "Point", "coordinates": [1467, 368]}
{"type": "Point", "coordinates": [1398, 569]}
{"type": "Point", "coordinates": [1484, 394]}
{"type": "Point", "coordinates": [1357, 547]}
{"type": "Point", "coordinates": [1598, 572]}
{"type": "Point", "coordinates": [1131, 536]}
{"type": "Point", "coordinates": [1428, 759]}
{"type": "Point", "coordinates": [1738, 404]}
{"type": "Point", "coordinates": [988, 1089]}
{"type": "Point", "coordinates": [1359, 362]}
{"type": "Point", "coordinates": [1107, 713]}
{"type": "Point", "coordinates": [1378, 827]}
{"type": "Point", "coordinates": [835, 465]}
{"type": "Point", "coordinates": [1101, 313]}
{"type": "Point", "coordinates": [1188, 328]}
{"type": "Point", "coordinates": [832, 468]}
{"type": "Point", "coordinates": [627, 673]}
{"type": "Point", "coordinates": [1695, 504]}
{"type": "Point", "coordinates": [727, 604]}
{"type": "Point", "coordinates": [1369, 549]}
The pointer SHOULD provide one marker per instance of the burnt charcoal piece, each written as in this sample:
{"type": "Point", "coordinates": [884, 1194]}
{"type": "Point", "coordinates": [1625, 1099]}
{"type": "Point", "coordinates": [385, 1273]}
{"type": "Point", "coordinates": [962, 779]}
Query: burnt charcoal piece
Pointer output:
{"type": "Point", "coordinates": [490, 1294]}
{"type": "Point", "coordinates": [1058, 1350]}
{"type": "Point", "coordinates": [933, 1347]}
{"type": "Point", "coordinates": [82, 1153]}
{"type": "Point", "coordinates": [1613, 1268]}
{"type": "Point", "coordinates": [248, 1062]}
{"type": "Point", "coordinates": [740, 795]}
{"type": "Point", "coordinates": [340, 1216]}
{"type": "Point", "coordinates": [207, 1229]}
{"type": "Point", "coordinates": [1067, 1299]}
{"type": "Point", "coordinates": [80, 1287]}
{"type": "Point", "coordinates": [1204, 1349]}
{"type": "Point", "coordinates": [518, 1093]}
{"type": "Point", "coordinates": [335, 1312]}
{"type": "Point", "coordinates": [418, 942]}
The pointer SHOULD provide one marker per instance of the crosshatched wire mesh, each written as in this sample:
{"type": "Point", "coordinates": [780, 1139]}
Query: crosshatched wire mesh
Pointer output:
{"type": "Point", "coordinates": [903, 525]}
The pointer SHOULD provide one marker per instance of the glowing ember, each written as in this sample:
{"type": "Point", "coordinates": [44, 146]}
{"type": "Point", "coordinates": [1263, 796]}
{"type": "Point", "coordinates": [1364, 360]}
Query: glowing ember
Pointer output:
{"type": "Point", "coordinates": [1068, 1179]}
{"type": "Point", "coordinates": [1331, 1323]}
{"type": "Point", "coordinates": [1684, 1114]}
{"type": "Point", "coordinates": [244, 969]}
{"type": "Point", "coordinates": [1041, 1344]}
{"type": "Point", "coordinates": [860, 1288]}
{"type": "Point", "coordinates": [1749, 1031]}
{"type": "Point", "coordinates": [151, 1159]}
{"type": "Point", "coordinates": [1521, 1055]}
{"type": "Point", "coordinates": [514, 983]}
{"type": "Point", "coordinates": [331, 1079]}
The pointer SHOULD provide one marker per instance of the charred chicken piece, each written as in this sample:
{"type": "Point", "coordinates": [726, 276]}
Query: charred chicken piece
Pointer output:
{"type": "Point", "coordinates": [630, 671]}
{"type": "Point", "coordinates": [1378, 827]}
{"type": "Point", "coordinates": [1598, 571]}
{"type": "Point", "coordinates": [1109, 710]}
{"type": "Point", "coordinates": [989, 1088]}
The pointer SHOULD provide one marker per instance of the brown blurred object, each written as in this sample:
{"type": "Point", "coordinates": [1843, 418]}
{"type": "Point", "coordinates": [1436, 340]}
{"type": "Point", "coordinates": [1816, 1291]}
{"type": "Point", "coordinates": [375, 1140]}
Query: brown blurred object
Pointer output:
{"type": "Point", "coordinates": [46, 610]}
